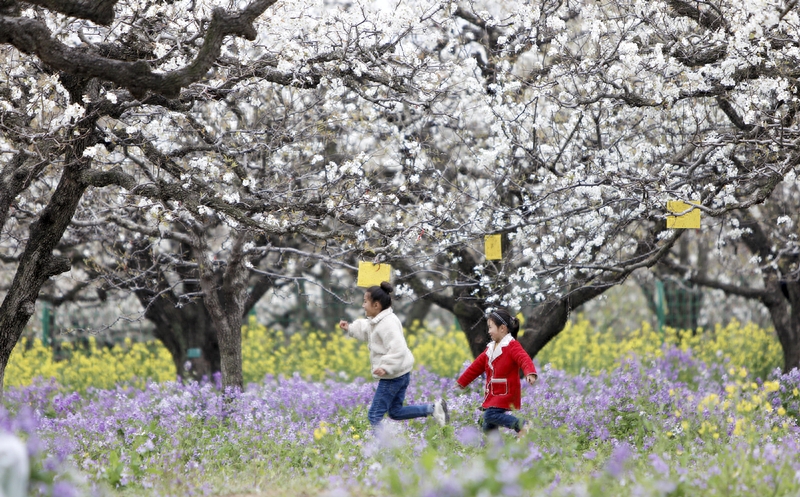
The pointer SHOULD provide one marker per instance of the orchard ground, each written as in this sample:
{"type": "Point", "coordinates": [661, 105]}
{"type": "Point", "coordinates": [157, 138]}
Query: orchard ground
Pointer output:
{"type": "Point", "coordinates": [663, 422]}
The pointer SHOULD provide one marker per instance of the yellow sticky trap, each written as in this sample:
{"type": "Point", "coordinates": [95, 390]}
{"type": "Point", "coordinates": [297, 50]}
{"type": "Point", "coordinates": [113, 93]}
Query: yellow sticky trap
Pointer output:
{"type": "Point", "coordinates": [370, 274]}
{"type": "Point", "coordinates": [689, 220]}
{"type": "Point", "coordinates": [492, 247]}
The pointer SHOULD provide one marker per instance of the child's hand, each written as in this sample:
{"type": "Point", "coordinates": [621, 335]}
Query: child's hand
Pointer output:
{"type": "Point", "coordinates": [379, 372]}
{"type": "Point", "coordinates": [531, 378]}
{"type": "Point", "coordinates": [344, 325]}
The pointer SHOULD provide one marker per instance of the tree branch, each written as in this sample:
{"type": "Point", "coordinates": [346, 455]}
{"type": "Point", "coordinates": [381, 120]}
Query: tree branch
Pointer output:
{"type": "Point", "coordinates": [734, 116]}
{"type": "Point", "coordinates": [697, 279]}
{"type": "Point", "coordinates": [57, 265]}
{"type": "Point", "coordinates": [705, 18]}
{"type": "Point", "coordinates": [32, 37]}
{"type": "Point", "coordinates": [97, 11]}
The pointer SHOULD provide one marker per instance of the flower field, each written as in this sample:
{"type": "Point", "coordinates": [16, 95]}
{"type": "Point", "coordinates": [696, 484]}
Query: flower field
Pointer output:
{"type": "Point", "coordinates": [670, 420]}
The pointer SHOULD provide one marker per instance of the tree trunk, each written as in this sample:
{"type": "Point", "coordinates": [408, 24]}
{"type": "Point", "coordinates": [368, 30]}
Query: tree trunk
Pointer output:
{"type": "Point", "coordinates": [225, 302]}
{"type": "Point", "coordinates": [38, 263]}
{"type": "Point", "coordinates": [188, 326]}
{"type": "Point", "coordinates": [782, 299]}
{"type": "Point", "coordinates": [183, 328]}
{"type": "Point", "coordinates": [780, 296]}
{"type": "Point", "coordinates": [229, 335]}
{"type": "Point", "coordinates": [471, 317]}
{"type": "Point", "coordinates": [547, 319]}
{"type": "Point", "coordinates": [790, 345]}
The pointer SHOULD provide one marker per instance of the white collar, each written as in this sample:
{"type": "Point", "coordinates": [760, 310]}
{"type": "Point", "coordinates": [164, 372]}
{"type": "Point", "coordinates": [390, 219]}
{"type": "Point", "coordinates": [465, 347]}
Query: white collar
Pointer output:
{"type": "Point", "coordinates": [379, 317]}
{"type": "Point", "coordinates": [502, 343]}
{"type": "Point", "coordinates": [495, 349]}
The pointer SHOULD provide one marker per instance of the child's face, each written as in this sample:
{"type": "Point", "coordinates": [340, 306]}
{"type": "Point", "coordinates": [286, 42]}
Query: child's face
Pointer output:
{"type": "Point", "coordinates": [497, 333]}
{"type": "Point", "coordinates": [371, 307]}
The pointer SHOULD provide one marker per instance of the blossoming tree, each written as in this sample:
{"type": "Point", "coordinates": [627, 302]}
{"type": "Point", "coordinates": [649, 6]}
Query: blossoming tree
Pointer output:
{"type": "Point", "coordinates": [765, 269]}
{"type": "Point", "coordinates": [399, 133]}
{"type": "Point", "coordinates": [100, 95]}
{"type": "Point", "coordinates": [576, 124]}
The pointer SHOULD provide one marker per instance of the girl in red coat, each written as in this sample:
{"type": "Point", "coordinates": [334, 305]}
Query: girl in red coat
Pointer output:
{"type": "Point", "coordinates": [501, 361]}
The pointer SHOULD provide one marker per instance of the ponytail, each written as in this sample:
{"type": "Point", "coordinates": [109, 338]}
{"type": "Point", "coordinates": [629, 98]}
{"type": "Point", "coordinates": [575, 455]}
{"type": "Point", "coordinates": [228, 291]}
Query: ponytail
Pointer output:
{"type": "Point", "coordinates": [381, 294]}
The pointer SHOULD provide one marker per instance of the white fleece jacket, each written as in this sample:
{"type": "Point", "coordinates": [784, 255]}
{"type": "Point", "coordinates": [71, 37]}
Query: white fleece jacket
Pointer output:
{"type": "Point", "coordinates": [387, 344]}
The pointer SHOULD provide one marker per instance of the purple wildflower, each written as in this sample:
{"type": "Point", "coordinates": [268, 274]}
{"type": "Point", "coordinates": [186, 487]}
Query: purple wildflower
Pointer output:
{"type": "Point", "coordinates": [659, 465]}
{"type": "Point", "coordinates": [616, 462]}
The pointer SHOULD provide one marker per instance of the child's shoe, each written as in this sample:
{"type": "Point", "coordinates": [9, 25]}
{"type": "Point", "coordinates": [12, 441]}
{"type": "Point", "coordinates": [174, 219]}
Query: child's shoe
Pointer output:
{"type": "Point", "coordinates": [440, 413]}
{"type": "Point", "coordinates": [524, 429]}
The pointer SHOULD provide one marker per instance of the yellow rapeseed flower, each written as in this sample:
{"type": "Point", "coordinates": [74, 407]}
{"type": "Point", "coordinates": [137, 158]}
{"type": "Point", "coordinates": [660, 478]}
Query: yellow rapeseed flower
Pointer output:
{"type": "Point", "coordinates": [319, 354]}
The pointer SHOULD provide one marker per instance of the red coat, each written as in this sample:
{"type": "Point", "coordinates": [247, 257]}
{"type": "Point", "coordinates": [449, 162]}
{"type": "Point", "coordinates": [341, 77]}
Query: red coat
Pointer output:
{"type": "Point", "coordinates": [502, 374]}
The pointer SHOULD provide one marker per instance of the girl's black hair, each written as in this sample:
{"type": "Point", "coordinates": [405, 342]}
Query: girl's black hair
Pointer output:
{"type": "Point", "coordinates": [503, 317]}
{"type": "Point", "coordinates": [381, 294]}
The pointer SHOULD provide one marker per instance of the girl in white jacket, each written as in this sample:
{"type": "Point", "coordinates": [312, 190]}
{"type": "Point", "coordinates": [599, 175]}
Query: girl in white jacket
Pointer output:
{"type": "Point", "coordinates": [390, 358]}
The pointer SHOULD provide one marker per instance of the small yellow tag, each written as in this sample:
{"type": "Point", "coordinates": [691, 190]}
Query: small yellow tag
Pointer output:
{"type": "Point", "coordinates": [492, 247]}
{"type": "Point", "coordinates": [370, 274]}
{"type": "Point", "coordinates": [688, 220]}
